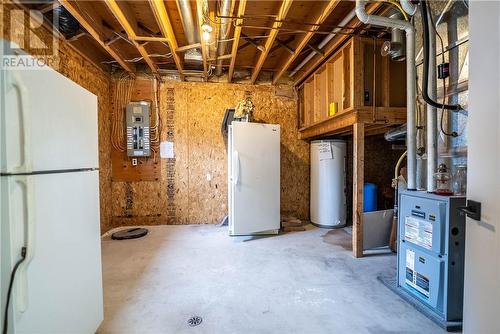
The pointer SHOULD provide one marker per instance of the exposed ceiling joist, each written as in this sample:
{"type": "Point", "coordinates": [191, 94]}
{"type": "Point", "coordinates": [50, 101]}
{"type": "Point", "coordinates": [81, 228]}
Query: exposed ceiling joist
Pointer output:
{"type": "Point", "coordinates": [163, 21]}
{"type": "Point", "coordinates": [236, 38]}
{"type": "Point", "coordinates": [96, 35]}
{"type": "Point", "coordinates": [204, 50]}
{"type": "Point", "coordinates": [371, 8]}
{"type": "Point", "coordinates": [285, 7]}
{"type": "Point", "coordinates": [49, 7]}
{"type": "Point", "coordinates": [330, 6]}
{"type": "Point", "coordinates": [128, 23]}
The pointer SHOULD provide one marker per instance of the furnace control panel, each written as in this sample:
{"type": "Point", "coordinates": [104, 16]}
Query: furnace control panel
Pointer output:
{"type": "Point", "coordinates": [138, 129]}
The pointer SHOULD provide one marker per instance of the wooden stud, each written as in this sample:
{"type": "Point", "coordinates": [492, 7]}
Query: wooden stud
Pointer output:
{"type": "Point", "coordinates": [357, 193]}
{"type": "Point", "coordinates": [330, 6]}
{"type": "Point", "coordinates": [163, 21]}
{"type": "Point", "coordinates": [236, 38]}
{"type": "Point", "coordinates": [285, 7]}
{"type": "Point", "coordinates": [371, 8]}
{"type": "Point", "coordinates": [96, 35]}
{"type": "Point", "coordinates": [126, 20]}
{"type": "Point", "coordinates": [204, 51]}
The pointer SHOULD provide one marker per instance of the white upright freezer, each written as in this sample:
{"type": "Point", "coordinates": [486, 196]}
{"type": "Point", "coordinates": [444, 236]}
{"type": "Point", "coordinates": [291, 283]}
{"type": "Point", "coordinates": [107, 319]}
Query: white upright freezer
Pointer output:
{"type": "Point", "coordinates": [253, 178]}
{"type": "Point", "coordinates": [49, 203]}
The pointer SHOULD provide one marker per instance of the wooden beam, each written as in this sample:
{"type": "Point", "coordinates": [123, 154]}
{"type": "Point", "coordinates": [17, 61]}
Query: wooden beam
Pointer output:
{"type": "Point", "coordinates": [371, 8]}
{"type": "Point", "coordinates": [357, 188]}
{"type": "Point", "coordinates": [204, 51]}
{"type": "Point", "coordinates": [184, 48]}
{"type": "Point", "coordinates": [126, 20]}
{"type": "Point", "coordinates": [96, 35]}
{"type": "Point", "coordinates": [330, 6]}
{"type": "Point", "coordinates": [236, 38]}
{"type": "Point", "coordinates": [285, 7]}
{"type": "Point", "coordinates": [284, 45]}
{"type": "Point", "coordinates": [253, 42]}
{"type": "Point", "coordinates": [49, 7]}
{"type": "Point", "coordinates": [163, 21]}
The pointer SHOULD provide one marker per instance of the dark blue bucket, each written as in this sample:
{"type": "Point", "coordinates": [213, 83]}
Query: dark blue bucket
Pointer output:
{"type": "Point", "coordinates": [370, 197]}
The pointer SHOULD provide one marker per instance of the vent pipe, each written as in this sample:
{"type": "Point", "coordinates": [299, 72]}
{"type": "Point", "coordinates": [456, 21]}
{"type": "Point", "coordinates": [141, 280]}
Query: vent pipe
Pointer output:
{"type": "Point", "coordinates": [431, 125]}
{"type": "Point", "coordinates": [411, 132]}
{"type": "Point", "coordinates": [224, 34]}
{"type": "Point", "coordinates": [408, 7]}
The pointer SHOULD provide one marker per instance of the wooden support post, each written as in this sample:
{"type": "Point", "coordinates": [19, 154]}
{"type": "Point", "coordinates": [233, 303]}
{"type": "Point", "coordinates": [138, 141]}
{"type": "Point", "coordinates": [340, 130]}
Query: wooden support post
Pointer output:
{"type": "Point", "coordinates": [357, 192]}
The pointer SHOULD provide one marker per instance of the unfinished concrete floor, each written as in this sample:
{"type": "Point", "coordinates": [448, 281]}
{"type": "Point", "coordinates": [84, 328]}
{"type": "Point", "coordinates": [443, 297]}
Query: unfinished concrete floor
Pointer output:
{"type": "Point", "coordinates": [302, 282]}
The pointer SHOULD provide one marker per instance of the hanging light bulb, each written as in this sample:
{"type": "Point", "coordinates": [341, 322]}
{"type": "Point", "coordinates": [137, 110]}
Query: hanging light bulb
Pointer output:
{"type": "Point", "coordinates": [206, 27]}
{"type": "Point", "coordinates": [205, 35]}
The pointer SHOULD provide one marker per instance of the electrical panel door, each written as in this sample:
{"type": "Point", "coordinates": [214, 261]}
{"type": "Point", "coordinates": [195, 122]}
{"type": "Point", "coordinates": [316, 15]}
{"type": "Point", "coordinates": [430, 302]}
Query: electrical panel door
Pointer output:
{"type": "Point", "coordinates": [138, 129]}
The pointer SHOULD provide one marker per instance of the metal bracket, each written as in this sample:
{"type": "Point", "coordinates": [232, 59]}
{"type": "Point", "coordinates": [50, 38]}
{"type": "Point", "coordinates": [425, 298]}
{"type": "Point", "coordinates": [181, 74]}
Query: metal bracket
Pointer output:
{"type": "Point", "coordinates": [472, 210]}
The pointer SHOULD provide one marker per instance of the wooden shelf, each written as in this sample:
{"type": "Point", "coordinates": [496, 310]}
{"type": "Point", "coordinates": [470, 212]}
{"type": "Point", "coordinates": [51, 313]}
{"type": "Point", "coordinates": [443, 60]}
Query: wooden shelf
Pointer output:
{"type": "Point", "coordinates": [341, 123]}
{"type": "Point", "coordinates": [367, 88]}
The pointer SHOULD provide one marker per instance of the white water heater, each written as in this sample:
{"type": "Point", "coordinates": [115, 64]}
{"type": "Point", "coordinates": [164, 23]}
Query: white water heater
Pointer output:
{"type": "Point", "coordinates": [328, 183]}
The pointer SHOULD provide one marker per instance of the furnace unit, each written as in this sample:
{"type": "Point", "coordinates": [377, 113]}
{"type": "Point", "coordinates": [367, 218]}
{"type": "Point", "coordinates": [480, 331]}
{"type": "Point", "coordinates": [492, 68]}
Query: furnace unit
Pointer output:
{"type": "Point", "coordinates": [431, 253]}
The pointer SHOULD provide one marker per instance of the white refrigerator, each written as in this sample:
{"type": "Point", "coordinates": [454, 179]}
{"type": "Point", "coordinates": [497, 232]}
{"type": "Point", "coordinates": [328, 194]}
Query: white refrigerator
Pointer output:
{"type": "Point", "coordinates": [253, 178]}
{"type": "Point", "coordinates": [49, 203]}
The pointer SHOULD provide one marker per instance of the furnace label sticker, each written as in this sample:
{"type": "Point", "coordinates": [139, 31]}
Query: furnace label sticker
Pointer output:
{"type": "Point", "coordinates": [418, 232]}
{"type": "Point", "coordinates": [413, 278]}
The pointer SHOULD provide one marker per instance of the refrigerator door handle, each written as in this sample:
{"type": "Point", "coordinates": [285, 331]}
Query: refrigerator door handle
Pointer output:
{"type": "Point", "coordinates": [21, 90]}
{"type": "Point", "coordinates": [236, 167]}
{"type": "Point", "coordinates": [29, 232]}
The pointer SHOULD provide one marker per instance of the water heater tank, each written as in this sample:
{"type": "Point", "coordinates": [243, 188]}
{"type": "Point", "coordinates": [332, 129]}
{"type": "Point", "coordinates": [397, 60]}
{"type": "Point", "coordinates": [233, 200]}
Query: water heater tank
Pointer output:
{"type": "Point", "coordinates": [328, 183]}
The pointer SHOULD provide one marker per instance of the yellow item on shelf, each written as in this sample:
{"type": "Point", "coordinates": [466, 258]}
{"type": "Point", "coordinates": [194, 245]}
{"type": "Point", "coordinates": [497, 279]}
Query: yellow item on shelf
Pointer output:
{"type": "Point", "coordinates": [334, 106]}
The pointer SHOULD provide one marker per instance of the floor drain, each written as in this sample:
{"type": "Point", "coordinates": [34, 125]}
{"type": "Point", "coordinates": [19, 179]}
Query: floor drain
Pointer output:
{"type": "Point", "coordinates": [194, 321]}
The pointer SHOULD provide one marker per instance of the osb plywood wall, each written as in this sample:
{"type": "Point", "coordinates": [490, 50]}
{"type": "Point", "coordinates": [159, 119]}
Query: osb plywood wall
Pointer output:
{"type": "Point", "coordinates": [15, 25]}
{"type": "Point", "coordinates": [193, 186]}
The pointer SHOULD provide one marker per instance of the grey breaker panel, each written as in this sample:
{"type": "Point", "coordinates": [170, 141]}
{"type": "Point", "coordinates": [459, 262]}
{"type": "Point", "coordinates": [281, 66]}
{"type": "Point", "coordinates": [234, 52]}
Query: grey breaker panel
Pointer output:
{"type": "Point", "coordinates": [138, 129]}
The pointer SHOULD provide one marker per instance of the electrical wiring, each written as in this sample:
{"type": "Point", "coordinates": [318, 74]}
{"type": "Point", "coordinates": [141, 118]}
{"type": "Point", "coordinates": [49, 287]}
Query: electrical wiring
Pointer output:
{"type": "Point", "coordinates": [5, 328]}
{"type": "Point", "coordinates": [397, 6]}
{"type": "Point", "coordinates": [443, 110]}
{"type": "Point", "coordinates": [121, 95]}
{"type": "Point", "coordinates": [138, 59]}
{"type": "Point", "coordinates": [425, 81]}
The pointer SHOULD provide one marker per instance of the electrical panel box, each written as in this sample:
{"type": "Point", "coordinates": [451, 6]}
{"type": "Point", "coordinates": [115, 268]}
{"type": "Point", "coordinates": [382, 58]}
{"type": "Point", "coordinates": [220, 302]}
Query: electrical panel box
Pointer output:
{"type": "Point", "coordinates": [431, 251]}
{"type": "Point", "coordinates": [138, 129]}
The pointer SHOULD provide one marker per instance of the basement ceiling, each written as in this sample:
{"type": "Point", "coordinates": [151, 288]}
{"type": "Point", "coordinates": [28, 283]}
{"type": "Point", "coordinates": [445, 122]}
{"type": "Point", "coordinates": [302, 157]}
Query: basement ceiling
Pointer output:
{"type": "Point", "coordinates": [149, 36]}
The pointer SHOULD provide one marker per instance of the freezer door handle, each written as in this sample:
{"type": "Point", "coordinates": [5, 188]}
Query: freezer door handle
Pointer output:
{"type": "Point", "coordinates": [21, 90]}
{"type": "Point", "coordinates": [236, 167]}
{"type": "Point", "coordinates": [29, 232]}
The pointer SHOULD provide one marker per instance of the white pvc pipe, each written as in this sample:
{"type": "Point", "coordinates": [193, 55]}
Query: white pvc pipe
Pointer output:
{"type": "Point", "coordinates": [411, 130]}
{"type": "Point", "coordinates": [408, 7]}
{"type": "Point", "coordinates": [431, 125]}
{"type": "Point", "coordinates": [325, 41]}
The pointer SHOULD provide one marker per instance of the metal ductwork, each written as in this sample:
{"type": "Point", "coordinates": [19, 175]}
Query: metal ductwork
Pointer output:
{"type": "Point", "coordinates": [223, 34]}
{"type": "Point", "coordinates": [410, 81]}
{"type": "Point", "coordinates": [190, 30]}
{"type": "Point", "coordinates": [396, 47]}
